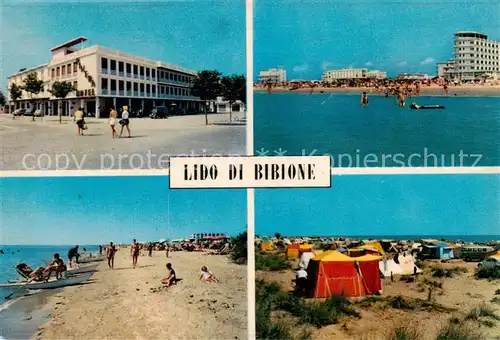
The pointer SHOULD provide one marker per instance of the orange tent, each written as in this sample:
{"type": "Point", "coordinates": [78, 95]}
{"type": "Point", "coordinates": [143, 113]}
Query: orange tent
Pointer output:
{"type": "Point", "coordinates": [295, 250]}
{"type": "Point", "coordinates": [333, 273]}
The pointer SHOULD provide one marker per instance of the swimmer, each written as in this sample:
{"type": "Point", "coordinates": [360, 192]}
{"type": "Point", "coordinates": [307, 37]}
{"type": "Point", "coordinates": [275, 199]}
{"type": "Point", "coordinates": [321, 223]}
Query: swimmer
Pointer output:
{"type": "Point", "coordinates": [364, 99]}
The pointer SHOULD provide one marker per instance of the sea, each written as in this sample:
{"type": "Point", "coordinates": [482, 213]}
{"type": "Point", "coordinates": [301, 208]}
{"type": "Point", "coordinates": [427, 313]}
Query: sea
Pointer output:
{"type": "Point", "coordinates": [34, 256]}
{"type": "Point", "coordinates": [465, 133]}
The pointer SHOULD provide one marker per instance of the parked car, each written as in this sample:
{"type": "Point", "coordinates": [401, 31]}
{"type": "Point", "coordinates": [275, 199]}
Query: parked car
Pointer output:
{"type": "Point", "coordinates": [490, 262]}
{"type": "Point", "coordinates": [29, 111]}
{"type": "Point", "coordinates": [19, 112]}
{"type": "Point", "coordinates": [159, 112]}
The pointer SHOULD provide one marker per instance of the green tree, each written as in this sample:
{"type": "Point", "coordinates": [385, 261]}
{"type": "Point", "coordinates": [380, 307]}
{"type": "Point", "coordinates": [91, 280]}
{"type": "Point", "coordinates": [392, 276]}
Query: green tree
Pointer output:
{"type": "Point", "coordinates": [60, 90]}
{"type": "Point", "coordinates": [16, 92]}
{"type": "Point", "coordinates": [239, 248]}
{"type": "Point", "coordinates": [2, 99]}
{"type": "Point", "coordinates": [233, 89]}
{"type": "Point", "coordinates": [206, 85]}
{"type": "Point", "coordinates": [33, 86]}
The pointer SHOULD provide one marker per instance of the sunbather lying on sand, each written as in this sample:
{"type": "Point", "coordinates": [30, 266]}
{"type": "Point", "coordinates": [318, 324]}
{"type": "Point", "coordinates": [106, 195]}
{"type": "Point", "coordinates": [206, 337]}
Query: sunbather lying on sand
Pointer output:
{"type": "Point", "coordinates": [171, 278]}
{"type": "Point", "coordinates": [207, 276]}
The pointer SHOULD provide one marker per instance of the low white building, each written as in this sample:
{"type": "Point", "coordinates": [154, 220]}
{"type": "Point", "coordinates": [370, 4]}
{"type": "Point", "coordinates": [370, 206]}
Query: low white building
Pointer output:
{"type": "Point", "coordinates": [220, 105]}
{"type": "Point", "coordinates": [273, 75]}
{"type": "Point", "coordinates": [352, 73]}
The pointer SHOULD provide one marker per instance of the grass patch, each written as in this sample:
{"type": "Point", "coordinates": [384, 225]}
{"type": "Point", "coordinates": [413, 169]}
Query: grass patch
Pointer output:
{"type": "Point", "coordinates": [271, 262]}
{"type": "Point", "coordinates": [239, 248]}
{"type": "Point", "coordinates": [369, 301]}
{"type": "Point", "coordinates": [454, 330]}
{"type": "Point", "coordinates": [496, 299]}
{"type": "Point", "coordinates": [432, 283]}
{"type": "Point", "coordinates": [400, 302]}
{"type": "Point", "coordinates": [405, 332]}
{"type": "Point", "coordinates": [448, 272]}
{"type": "Point", "coordinates": [497, 292]}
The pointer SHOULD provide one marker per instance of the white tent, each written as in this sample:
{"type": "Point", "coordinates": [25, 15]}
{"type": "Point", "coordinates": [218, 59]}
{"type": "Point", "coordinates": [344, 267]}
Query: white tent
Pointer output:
{"type": "Point", "coordinates": [407, 264]}
{"type": "Point", "coordinates": [389, 266]}
{"type": "Point", "coordinates": [305, 258]}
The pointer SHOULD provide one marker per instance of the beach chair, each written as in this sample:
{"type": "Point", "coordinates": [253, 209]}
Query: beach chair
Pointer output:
{"type": "Point", "coordinates": [25, 272]}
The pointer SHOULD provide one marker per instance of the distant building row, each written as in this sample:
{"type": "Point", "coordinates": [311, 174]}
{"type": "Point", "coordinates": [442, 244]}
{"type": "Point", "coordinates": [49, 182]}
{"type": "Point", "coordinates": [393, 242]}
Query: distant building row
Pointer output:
{"type": "Point", "coordinates": [475, 56]}
{"type": "Point", "coordinates": [272, 76]}
{"type": "Point", "coordinates": [352, 73]}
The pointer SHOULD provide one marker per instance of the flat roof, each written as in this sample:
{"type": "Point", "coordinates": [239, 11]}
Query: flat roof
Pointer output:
{"type": "Point", "coordinates": [27, 70]}
{"type": "Point", "coordinates": [70, 43]}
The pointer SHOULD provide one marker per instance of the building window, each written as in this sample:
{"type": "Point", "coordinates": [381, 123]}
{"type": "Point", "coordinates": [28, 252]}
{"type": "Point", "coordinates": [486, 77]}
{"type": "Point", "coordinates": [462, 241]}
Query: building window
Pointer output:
{"type": "Point", "coordinates": [136, 87]}
{"type": "Point", "coordinates": [170, 76]}
{"type": "Point", "coordinates": [141, 86]}
{"type": "Point", "coordinates": [141, 71]}
{"type": "Point", "coordinates": [175, 77]}
{"type": "Point", "coordinates": [147, 71]}
{"type": "Point", "coordinates": [135, 69]}
{"type": "Point", "coordinates": [69, 68]}
{"type": "Point", "coordinates": [128, 86]}
{"type": "Point", "coordinates": [58, 71]}
{"type": "Point", "coordinates": [104, 84]}
{"type": "Point", "coordinates": [112, 65]}
{"type": "Point", "coordinates": [113, 85]}
{"type": "Point", "coordinates": [104, 63]}
{"type": "Point", "coordinates": [148, 88]}
{"type": "Point", "coordinates": [162, 90]}
{"type": "Point", "coordinates": [121, 85]}
{"type": "Point", "coordinates": [75, 85]}
{"type": "Point", "coordinates": [153, 73]}
{"type": "Point", "coordinates": [53, 72]}
{"type": "Point", "coordinates": [121, 66]}
{"type": "Point", "coordinates": [63, 70]}
{"type": "Point", "coordinates": [128, 68]}
{"type": "Point", "coordinates": [75, 68]}
{"type": "Point", "coordinates": [153, 89]}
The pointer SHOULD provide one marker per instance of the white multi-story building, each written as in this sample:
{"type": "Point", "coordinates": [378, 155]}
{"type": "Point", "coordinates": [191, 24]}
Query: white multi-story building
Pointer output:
{"type": "Point", "coordinates": [104, 77]}
{"type": "Point", "coordinates": [352, 73]}
{"type": "Point", "coordinates": [273, 76]}
{"type": "Point", "coordinates": [444, 69]}
{"type": "Point", "coordinates": [475, 56]}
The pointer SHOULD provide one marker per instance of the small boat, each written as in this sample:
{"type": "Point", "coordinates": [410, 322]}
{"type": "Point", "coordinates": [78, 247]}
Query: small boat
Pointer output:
{"type": "Point", "coordinates": [426, 107]}
{"type": "Point", "coordinates": [91, 259]}
{"type": "Point", "coordinates": [51, 284]}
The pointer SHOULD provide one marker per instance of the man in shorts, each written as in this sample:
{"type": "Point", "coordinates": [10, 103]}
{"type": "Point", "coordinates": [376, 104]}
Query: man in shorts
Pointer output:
{"type": "Point", "coordinates": [110, 254]}
{"type": "Point", "coordinates": [73, 254]}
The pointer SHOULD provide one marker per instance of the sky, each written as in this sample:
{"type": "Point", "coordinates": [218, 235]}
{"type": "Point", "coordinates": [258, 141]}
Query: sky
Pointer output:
{"type": "Point", "coordinates": [393, 205]}
{"type": "Point", "coordinates": [196, 34]}
{"type": "Point", "coordinates": [307, 37]}
{"type": "Point", "coordinates": [97, 210]}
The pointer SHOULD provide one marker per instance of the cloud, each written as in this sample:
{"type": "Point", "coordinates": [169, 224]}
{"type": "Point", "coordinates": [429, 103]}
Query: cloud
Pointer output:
{"type": "Point", "coordinates": [369, 63]}
{"type": "Point", "coordinates": [427, 61]}
{"type": "Point", "coordinates": [300, 68]}
{"type": "Point", "coordinates": [402, 63]}
{"type": "Point", "coordinates": [326, 65]}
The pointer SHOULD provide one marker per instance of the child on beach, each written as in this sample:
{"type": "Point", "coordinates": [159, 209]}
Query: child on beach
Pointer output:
{"type": "Point", "coordinates": [171, 278]}
{"type": "Point", "coordinates": [207, 276]}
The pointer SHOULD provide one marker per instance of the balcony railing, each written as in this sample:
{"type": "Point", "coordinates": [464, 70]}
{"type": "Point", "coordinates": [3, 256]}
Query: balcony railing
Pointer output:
{"type": "Point", "coordinates": [136, 76]}
{"type": "Point", "coordinates": [136, 93]}
{"type": "Point", "coordinates": [173, 82]}
{"type": "Point", "coordinates": [112, 92]}
{"type": "Point", "coordinates": [104, 91]}
{"type": "Point", "coordinates": [121, 74]}
{"type": "Point", "coordinates": [121, 92]}
{"type": "Point", "coordinates": [104, 70]}
{"type": "Point", "coordinates": [129, 93]}
{"type": "Point", "coordinates": [128, 75]}
{"type": "Point", "coordinates": [112, 72]}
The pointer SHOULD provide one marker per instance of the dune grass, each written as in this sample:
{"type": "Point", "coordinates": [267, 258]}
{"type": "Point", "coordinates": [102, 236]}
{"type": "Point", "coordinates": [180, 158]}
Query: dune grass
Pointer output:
{"type": "Point", "coordinates": [400, 302]}
{"type": "Point", "coordinates": [271, 262]}
{"type": "Point", "coordinates": [456, 329]}
{"type": "Point", "coordinates": [405, 332]}
{"type": "Point", "coordinates": [448, 272]}
{"type": "Point", "coordinates": [488, 273]}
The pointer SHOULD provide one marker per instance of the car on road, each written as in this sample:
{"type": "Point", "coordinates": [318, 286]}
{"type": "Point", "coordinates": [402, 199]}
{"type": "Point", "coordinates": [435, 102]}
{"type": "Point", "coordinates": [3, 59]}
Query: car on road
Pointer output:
{"type": "Point", "coordinates": [19, 112]}
{"type": "Point", "coordinates": [159, 112]}
{"type": "Point", "coordinates": [490, 262]}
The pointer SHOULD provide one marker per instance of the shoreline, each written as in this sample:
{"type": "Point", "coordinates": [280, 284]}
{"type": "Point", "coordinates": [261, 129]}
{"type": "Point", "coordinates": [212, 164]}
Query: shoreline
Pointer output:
{"type": "Point", "coordinates": [463, 91]}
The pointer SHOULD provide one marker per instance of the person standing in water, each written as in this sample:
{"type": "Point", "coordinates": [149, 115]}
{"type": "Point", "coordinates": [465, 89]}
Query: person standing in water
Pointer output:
{"type": "Point", "coordinates": [134, 252]}
{"type": "Point", "coordinates": [125, 122]}
{"type": "Point", "coordinates": [110, 254]}
{"type": "Point", "coordinates": [113, 115]}
{"type": "Point", "coordinates": [445, 88]}
{"type": "Point", "coordinates": [364, 99]}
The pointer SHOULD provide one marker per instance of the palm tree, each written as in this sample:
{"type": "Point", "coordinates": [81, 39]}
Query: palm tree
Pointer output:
{"type": "Point", "coordinates": [60, 90]}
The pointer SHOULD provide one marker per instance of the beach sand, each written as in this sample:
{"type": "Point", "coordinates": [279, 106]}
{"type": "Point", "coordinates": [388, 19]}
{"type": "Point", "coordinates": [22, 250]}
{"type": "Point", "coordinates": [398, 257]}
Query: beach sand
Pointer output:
{"type": "Point", "coordinates": [463, 90]}
{"type": "Point", "coordinates": [118, 303]}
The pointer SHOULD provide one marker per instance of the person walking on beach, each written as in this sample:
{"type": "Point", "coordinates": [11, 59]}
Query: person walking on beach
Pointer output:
{"type": "Point", "coordinates": [110, 254]}
{"type": "Point", "coordinates": [113, 115]}
{"type": "Point", "coordinates": [445, 88]}
{"type": "Point", "coordinates": [167, 249]}
{"type": "Point", "coordinates": [364, 99]}
{"type": "Point", "coordinates": [134, 251]}
{"type": "Point", "coordinates": [73, 254]}
{"type": "Point", "coordinates": [100, 250]}
{"type": "Point", "coordinates": [78, 119]}
{"type": "Point", "coordinates": [125, 122]}
{"type": "Point", "coordinates": [150, 250]}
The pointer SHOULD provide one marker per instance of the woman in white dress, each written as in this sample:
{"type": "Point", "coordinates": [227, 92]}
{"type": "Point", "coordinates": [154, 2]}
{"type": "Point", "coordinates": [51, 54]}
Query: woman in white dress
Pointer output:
{"type": "Point", "coordinates": [112, 121]}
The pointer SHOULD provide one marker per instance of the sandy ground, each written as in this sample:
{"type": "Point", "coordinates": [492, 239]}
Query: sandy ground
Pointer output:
{"type": "Point", "coordinates": [462, 292]}
{"type": "Point", "coordinates": [118, 304]}
{"type": "Point", "coordinates": [48, 145]}
{"type": "Point", "coordinates": [468, 90]}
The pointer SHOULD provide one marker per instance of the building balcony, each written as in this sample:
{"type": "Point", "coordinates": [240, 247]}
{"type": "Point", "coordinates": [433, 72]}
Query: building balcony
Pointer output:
{"type": "Point", "coordinates": [136, 76]}
{"type": "Point", "coordinates": [121, 92]}
{"type": "Point", "coordinates": [128, 93]}
{"type": "Point", "coordinates": [142, 77]}
{"type": "Point", "coordinates": [104, 92]}
{"type": "Point", "coordinates": [112, 92]}
{"type": "Point", "coordinates": [141, 94]}
{"type": "Point", "coordinates": [148, 78]}
{"type": "Point", "coordinates": [104, 70]}
{"type": "Point", "coordinates": [128, 75]}
{"type": "Point", "coordinates": [121, 74]}
{"type": "Point", "coordinates": [136, 94]}
{"type": "Point", "coordinates": [113, 72]}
